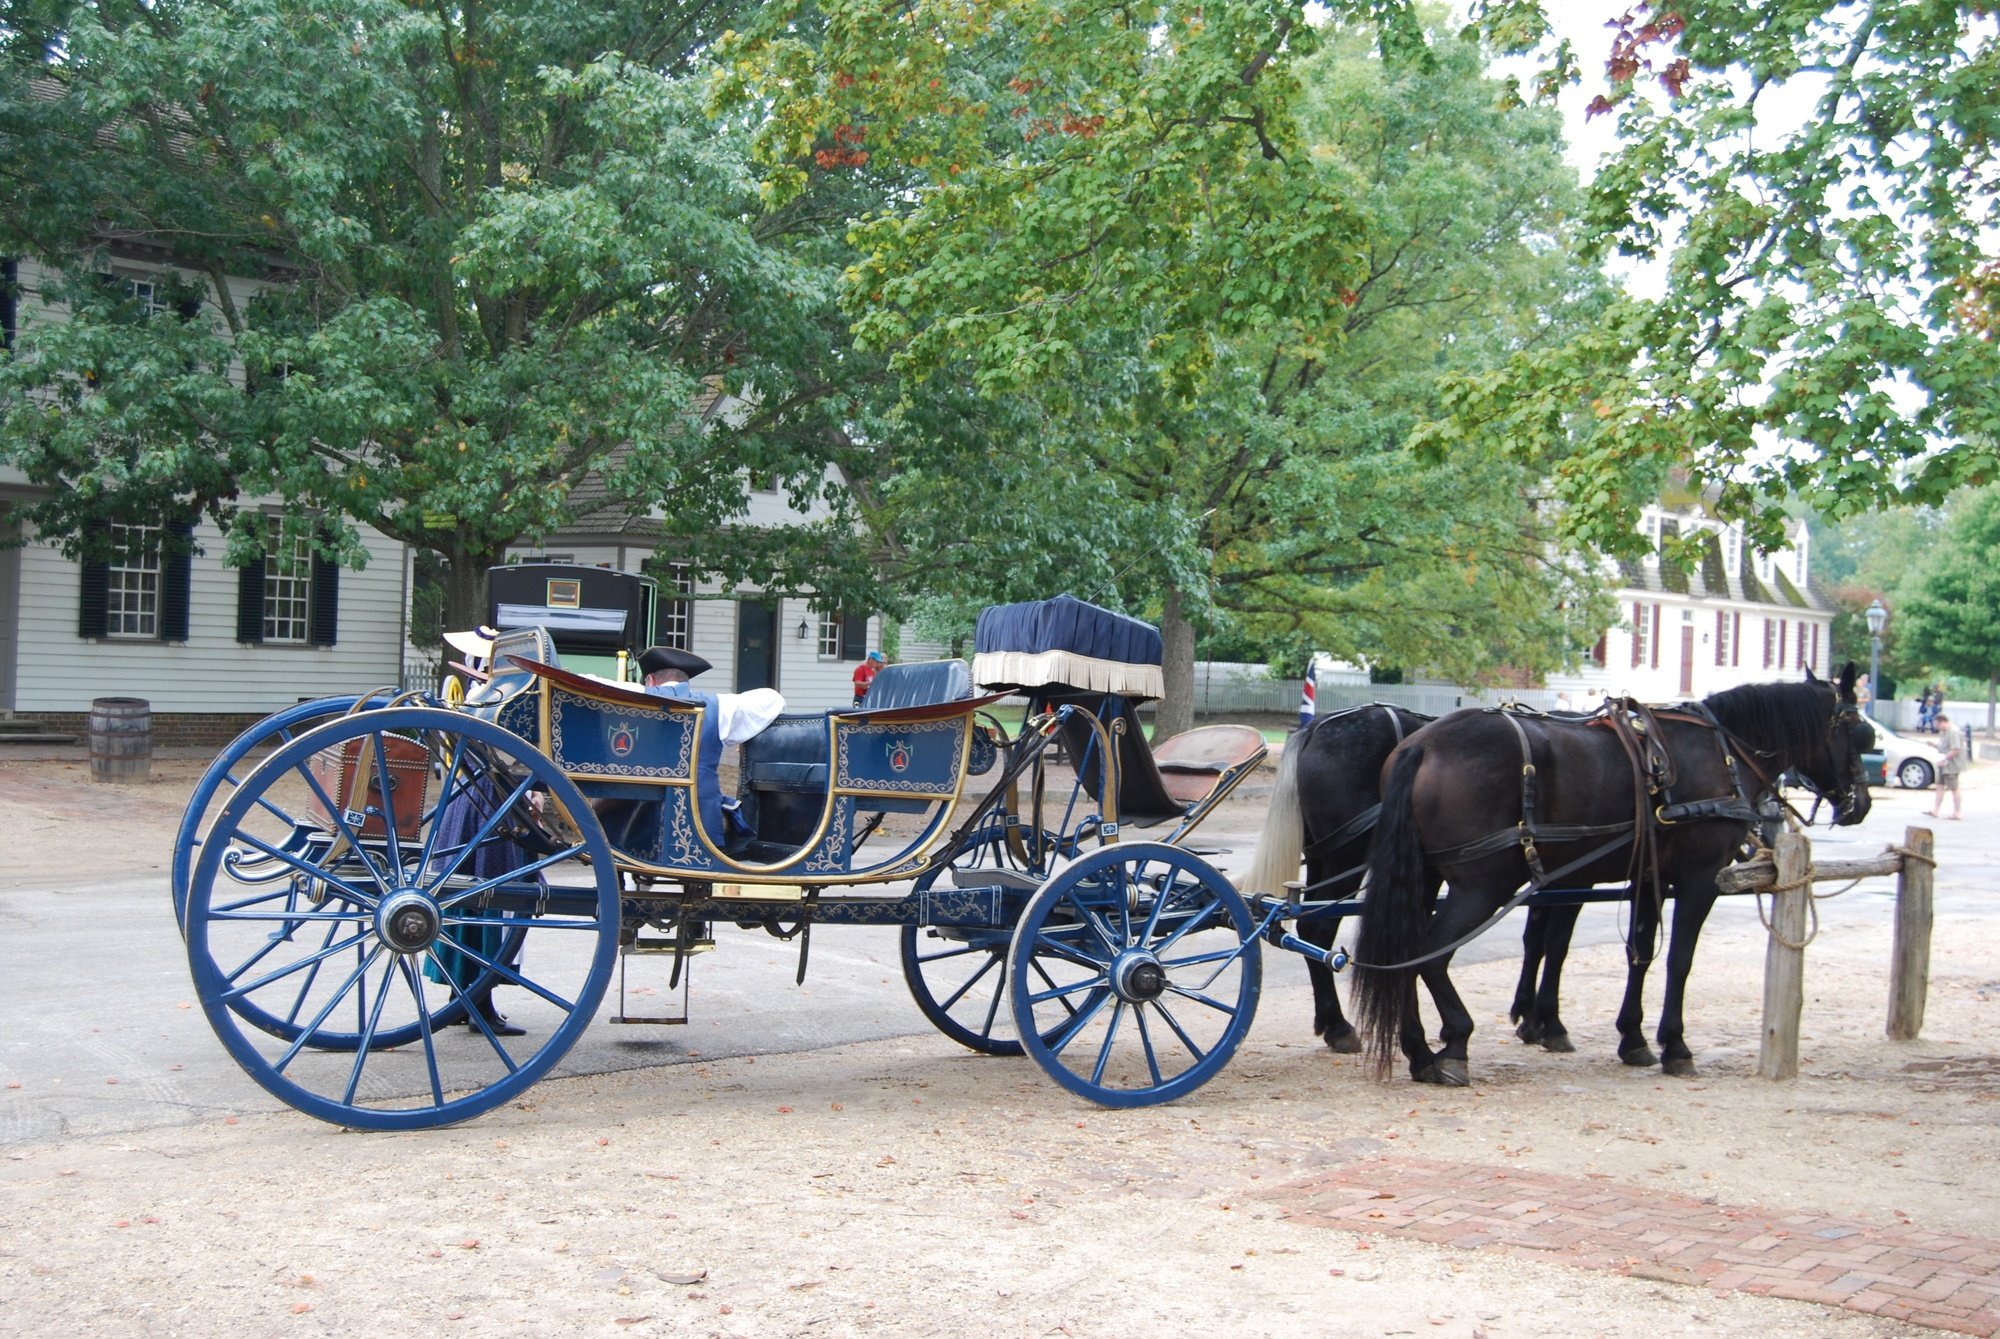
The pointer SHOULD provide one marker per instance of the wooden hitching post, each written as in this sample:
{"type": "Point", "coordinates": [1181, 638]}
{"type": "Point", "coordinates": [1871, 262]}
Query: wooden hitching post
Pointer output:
{"type": "Point", "coordinates": [1910, 962]}
{"type": "Point", "coordinates": [1785, 959]}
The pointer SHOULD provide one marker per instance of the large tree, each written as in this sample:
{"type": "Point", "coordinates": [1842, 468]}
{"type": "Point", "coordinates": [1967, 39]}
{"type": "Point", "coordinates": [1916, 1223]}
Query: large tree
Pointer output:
{"type": "Point", "coordinates": [1213, 279]}
{"type": "Point", "coordinates": [504, 249]}
{"type": "Point", "coordinates": [1816, 183]}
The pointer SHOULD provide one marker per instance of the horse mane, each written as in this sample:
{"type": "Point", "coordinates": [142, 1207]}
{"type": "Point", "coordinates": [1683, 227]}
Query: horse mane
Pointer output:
{"type": "Point", "coordinates": [1789, 719]}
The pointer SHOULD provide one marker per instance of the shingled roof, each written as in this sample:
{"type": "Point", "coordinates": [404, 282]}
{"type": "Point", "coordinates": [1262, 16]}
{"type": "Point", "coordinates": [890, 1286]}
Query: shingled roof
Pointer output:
{"type": "Point", "coordinates": [1710, 580]}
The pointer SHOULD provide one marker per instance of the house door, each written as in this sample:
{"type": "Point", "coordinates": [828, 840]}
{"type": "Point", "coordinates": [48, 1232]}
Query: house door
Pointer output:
{"type": "Point", "coordinates": [756, 645]}
{"type": "Point", "coordinates": [1687, 660]}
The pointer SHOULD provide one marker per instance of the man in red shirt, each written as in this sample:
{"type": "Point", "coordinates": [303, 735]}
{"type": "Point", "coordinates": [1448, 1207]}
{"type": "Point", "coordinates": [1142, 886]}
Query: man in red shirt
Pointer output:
{"type": "Point", "coordinates": [864, 674]}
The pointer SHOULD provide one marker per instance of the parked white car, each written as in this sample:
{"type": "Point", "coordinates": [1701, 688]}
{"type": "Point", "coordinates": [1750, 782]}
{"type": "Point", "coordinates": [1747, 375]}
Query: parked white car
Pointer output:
{"type": "Point", "coordinates": [1909, 763]}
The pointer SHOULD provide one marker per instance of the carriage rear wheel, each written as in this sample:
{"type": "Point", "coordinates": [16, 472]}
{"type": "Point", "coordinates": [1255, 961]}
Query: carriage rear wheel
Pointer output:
{"type": "Point", "coordinates": [1134, 974]}
{"type": "Point", "coordinates": [353, 914]}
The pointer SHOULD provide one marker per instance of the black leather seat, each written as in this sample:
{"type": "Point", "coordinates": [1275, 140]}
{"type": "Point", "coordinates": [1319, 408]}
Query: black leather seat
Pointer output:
{"type": "Point", "coordinates": [919, 685]}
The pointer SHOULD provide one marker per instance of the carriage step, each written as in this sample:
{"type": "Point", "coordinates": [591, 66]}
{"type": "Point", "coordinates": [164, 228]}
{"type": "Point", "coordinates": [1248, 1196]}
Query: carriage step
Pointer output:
{"type": "Point", "coordinates": [639, 947]}
{"type": "Point", "coordinates": [625, 1015]}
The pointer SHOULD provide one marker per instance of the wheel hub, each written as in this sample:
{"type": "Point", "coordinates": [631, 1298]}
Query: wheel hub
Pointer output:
{"type": "Point", "coordinates": [408, 921]}
{"type": "Point", "coordinates": [1137, 976]}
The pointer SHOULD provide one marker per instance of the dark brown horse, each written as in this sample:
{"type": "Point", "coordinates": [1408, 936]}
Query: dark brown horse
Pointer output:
{"type": "Point", "coordinates": [1492, 802]}
{"type": "Point", "coordinates": [1322, 811]}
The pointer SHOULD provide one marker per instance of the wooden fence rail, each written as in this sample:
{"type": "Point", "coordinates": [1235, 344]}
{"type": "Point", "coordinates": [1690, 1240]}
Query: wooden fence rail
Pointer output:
{"type": "Point", "coordinates": [1789, 878]}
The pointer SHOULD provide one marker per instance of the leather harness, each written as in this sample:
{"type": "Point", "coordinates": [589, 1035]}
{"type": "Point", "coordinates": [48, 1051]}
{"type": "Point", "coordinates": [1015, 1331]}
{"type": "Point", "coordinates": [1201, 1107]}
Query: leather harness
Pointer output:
{"type": "Point", "coordinates": [1654, 775]}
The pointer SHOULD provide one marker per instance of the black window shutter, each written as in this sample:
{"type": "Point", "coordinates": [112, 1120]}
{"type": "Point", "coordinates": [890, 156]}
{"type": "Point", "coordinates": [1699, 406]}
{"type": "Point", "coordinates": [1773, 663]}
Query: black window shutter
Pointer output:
{"type": "Point", "coordinates": [250, 602]}
{"type": "Point", "coordinates": [10, 307]}
{"type": "Point", "coordinates": [92, 613]}
{"type": "Point", "coordinates": [325, 629]}
{"type": "Point", "coordinates": [176, 580]}
{"type": "Point", "coordinates": [853, 636]}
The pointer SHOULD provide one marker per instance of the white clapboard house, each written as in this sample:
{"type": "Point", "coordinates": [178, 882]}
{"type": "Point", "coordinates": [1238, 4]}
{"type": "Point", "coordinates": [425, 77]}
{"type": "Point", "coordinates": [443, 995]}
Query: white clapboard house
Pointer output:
{"type": "Point", "coordinates": [1738, 617]}
{"type": "Point", "coordinates": [210, 647]}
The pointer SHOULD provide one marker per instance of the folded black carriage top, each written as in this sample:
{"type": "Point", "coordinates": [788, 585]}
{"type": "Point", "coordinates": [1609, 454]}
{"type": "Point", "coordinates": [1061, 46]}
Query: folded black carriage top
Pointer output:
{"type": "Point", "coordinates": [1069, 643]}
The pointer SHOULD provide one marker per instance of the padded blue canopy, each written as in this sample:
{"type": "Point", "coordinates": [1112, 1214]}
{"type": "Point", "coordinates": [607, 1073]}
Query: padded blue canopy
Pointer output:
{"type": "Point", "coordinates": [1066, 641]}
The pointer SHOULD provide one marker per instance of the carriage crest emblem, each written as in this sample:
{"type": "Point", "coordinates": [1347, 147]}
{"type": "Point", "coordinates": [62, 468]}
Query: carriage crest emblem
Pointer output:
{"type": "Point", "coordinates": [899, 755]}
{"type": "Point", "coordinates": [622, 741]}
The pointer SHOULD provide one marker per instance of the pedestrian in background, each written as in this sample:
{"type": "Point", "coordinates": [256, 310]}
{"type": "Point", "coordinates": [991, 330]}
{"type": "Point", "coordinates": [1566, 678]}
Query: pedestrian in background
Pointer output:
{"type": "Point", "coordinates": [1951, 761]}
{"type": "Point", "coordinates": [864, 674]}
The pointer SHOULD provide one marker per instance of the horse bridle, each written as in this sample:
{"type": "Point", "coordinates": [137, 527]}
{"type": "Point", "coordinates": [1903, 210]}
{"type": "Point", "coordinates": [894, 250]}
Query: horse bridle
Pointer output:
{"type": "Point", "coordinates": [1846, 716]}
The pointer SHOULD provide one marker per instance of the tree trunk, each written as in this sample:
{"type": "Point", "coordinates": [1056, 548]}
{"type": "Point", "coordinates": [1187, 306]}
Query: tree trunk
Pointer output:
{"type": "Point", "coordinates": [465, 585]}
{"type": "Point", "coordinates": [1174, 713]}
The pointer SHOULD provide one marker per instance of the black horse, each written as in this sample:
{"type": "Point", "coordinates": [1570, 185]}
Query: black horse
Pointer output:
{"type": "Point", "coordinates": [1490, 801]}
{"type": "Point", "coordinates": [1322, 811]}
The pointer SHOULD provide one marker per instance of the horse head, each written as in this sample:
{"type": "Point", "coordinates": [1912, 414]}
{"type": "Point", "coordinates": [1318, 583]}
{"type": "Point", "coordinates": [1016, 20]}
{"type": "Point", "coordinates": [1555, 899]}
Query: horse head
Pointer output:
{"type": "Point", "coordinates": [1834, 770]}
{"type": "Point", "coordinates": [1813, 730]}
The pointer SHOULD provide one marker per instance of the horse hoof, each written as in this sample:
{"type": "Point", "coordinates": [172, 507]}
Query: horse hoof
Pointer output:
{"type": "Point", "coordinates": [1681, 1067]}
{"type": "Point", "coordinates": [1528, 1033]}
{"type": "Point", "coordinates": [1558, 1042]}
{"type": "Point", "coordinates": [1344, 1043]}
{"type": "Point", "coordinates": [1639, 1057]}
{"type": "Point", "coordinates": [1445, 1074]}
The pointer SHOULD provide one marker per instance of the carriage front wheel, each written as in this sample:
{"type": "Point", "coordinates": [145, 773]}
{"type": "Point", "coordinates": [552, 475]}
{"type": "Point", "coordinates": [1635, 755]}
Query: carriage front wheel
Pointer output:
{"type": "Point", "coordinates": [1134, 974]}
{"type": "Point", "coordinates": [384, 902]}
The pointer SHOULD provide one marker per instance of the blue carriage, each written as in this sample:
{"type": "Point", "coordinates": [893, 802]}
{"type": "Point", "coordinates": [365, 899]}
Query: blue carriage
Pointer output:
{"type": "Point", "coordinates": [354, 874]}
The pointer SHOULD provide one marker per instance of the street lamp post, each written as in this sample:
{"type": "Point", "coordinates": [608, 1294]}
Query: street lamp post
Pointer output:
{"type": "Point", "coordinates": [1878, 618]}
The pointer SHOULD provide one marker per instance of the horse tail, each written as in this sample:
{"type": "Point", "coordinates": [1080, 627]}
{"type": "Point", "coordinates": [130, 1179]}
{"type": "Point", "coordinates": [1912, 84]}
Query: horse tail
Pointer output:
{"type": "Point", "coordinates": [1394, 916]}
{"type": "Point", "coordinates": [1281, 846]}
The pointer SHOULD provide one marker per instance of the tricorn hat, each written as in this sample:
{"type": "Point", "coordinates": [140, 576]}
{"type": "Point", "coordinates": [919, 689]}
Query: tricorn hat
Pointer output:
{"type": "Point", "coordinates": [658, 658]}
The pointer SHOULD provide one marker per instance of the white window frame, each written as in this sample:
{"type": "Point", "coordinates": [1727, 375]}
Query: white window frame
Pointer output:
{"type": "Point", "coordinates": [288, 592]}
{"type": "Point", "coordinates": [829, 635]}
{"type": "Point", "coordinates": [675, 616]}
{"type": "Point", "coordinates": [132, 582]}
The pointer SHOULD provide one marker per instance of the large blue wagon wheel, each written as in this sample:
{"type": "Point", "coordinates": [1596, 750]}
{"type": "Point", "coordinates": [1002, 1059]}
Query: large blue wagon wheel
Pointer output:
{"type": "Point", "coordinates": [957, 974]}
{"type": "Point", "coordinates": [1134, 974]}
{"type": "Point", "coordinates": [352, 917]}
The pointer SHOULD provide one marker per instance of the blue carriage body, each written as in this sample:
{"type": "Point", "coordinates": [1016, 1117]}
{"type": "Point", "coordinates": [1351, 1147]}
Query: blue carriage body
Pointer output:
{"type": "Point", "coordinates": [643, 759]}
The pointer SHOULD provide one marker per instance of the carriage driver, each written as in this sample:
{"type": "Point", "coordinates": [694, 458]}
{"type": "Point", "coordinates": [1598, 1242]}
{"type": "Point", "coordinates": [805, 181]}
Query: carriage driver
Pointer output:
{"type": "Point", "coordinates": [731, 718]}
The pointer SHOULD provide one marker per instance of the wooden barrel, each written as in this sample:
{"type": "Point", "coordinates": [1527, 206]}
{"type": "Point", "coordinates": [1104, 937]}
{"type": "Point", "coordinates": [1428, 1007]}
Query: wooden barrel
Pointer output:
{"type": "Point", "coordinates": [121, 739]}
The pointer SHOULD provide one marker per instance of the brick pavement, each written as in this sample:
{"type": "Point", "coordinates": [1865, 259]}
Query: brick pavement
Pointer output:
{"type": "Point", "coordinates": [1934, 1279]}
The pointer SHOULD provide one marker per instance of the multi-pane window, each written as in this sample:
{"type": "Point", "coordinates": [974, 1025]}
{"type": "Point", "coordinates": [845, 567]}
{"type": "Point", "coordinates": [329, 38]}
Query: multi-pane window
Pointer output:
{"type": "Point", "coordinates": [674, 615]}
{"type": "Point", "coordinates": [132, 582]}
{"type": "Point", "coordinates": [288, 570]}
{"type": "Point", "coordinates": [145, 295]}
{"type": "Point", "coordinates": [1642, 629]}
{"type": "Point", "coordinates": [829, 635]}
